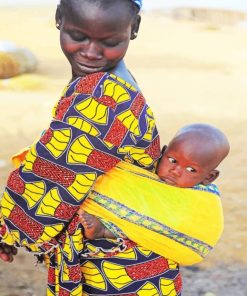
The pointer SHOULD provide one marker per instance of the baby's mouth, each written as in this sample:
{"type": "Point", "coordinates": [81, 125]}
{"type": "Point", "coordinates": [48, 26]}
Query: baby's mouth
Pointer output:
{"type": "Point", "coordinates": [169, 180]}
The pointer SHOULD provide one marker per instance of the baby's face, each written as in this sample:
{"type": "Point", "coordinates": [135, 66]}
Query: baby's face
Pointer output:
{"type": "Point", "coordinates": [182, 165]}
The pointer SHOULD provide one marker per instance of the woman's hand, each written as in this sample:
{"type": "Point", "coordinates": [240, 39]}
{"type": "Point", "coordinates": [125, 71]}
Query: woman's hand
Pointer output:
{"type": "Point", "coordinates": [7, 252]}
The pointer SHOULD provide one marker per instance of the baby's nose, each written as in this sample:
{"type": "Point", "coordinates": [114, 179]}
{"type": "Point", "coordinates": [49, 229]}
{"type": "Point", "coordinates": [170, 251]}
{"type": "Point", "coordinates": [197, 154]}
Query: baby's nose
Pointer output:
{"type": "Point", "coordinates": [177, 170]}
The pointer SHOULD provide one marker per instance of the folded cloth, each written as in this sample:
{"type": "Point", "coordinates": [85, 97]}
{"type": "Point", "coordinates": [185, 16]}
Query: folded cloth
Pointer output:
{"type": "Point", "coordinates": [182, 224]}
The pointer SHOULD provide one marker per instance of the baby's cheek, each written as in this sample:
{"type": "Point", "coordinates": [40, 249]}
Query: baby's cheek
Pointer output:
{"type": "Point", "coordinates": [163, 167]}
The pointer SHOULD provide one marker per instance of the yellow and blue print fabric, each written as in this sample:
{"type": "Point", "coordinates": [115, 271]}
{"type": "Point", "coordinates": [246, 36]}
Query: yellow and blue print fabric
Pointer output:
{"type": "Point", "coordinates": [99, 121]}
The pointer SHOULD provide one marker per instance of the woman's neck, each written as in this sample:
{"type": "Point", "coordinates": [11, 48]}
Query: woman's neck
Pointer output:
{"type": "Point", "coordinates": [121, 71]}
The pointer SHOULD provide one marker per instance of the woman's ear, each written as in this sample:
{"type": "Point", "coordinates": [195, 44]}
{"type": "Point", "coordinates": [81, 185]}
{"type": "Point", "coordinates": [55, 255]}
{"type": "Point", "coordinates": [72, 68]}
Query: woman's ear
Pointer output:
{"type": "Point", "coordinates": [58, 17]}
{"type": "Point", "coordinates": [135, 27]}
{"type": "Point", "coordinates": [210, 177]}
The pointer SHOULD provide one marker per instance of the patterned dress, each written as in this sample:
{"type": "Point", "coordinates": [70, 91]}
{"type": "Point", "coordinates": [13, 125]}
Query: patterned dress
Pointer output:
{"type": "Point", "coordinates": [99, 121]}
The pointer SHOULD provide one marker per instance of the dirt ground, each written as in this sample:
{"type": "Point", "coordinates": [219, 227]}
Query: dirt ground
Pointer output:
{"type": "Point", "coordinates": [189, 72]}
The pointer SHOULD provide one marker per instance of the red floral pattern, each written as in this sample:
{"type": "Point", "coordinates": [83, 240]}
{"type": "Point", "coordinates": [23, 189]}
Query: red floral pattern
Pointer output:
{"type": "Point", "coordinates": [58, 174]}
{"type": "Point", "coordinates": [47, 136]}
{"type": "Point", "coordinates": [32, 228]}
{"type": "Point", "coordinates": [63, 106]}
{"type": "Point", "coordinates": [147, 270]}
{"type": "Point", "coordinates": [15, 183]}
{"type": "Point", "coordinates": [138, 105]}
{"type": "Point", "coordinates": [102, 161]}
{"type": "Point", "coordinates": [107, 101]}
{"type": "Point", "coordinates": [87, 84]}
{"type": "Point", "coordinates": [116, 133]}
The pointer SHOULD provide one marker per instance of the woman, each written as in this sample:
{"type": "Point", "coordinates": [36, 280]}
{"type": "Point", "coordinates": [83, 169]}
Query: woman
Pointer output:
{"type": "Point", "coordinates": [101, 119]}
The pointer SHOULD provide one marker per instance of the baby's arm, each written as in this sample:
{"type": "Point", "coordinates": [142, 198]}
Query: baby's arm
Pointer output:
{"type": "Point", "coordinates": [93, 228]}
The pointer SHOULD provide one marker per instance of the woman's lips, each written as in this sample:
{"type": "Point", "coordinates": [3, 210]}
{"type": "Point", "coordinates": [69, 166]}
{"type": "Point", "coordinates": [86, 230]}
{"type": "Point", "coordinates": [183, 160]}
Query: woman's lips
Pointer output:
{"type": "Point", "coordinates": [90, 68]}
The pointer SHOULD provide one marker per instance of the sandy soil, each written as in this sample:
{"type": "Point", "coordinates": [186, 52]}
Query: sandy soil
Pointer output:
{"type": "Point", "coordinates": [189, 73]}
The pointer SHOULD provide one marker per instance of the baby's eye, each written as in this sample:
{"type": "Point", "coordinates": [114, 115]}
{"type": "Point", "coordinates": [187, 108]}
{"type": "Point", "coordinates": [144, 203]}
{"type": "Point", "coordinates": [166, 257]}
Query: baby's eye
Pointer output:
{"type": "Point", "coordinates": [172, 160]}
{"type": "Point", "coordinates": [190, 169]}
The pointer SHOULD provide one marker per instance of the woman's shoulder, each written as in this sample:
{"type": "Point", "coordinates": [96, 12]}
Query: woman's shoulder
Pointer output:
{"type": "Point", "coordinates": [102, 84]}
{"type": "Point", "coordinates": [102, 92]}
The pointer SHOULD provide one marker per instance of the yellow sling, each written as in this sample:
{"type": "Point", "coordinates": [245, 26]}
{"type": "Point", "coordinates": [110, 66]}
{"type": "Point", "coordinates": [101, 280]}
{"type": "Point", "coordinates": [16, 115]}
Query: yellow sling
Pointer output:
{"type": "Point", "coordinates": [182, 224]}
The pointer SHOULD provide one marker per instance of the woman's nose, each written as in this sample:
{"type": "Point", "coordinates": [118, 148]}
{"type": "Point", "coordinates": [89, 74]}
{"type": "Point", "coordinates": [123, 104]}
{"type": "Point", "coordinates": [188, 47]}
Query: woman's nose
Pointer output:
{"type": "Point", "coordinates": [92, 51]}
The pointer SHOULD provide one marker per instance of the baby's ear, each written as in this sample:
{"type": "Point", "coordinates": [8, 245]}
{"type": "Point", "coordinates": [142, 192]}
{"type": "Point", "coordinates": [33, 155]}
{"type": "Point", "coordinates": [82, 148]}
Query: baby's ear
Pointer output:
{"type": "Point", "coordinates": [163, 149]}
{"type": "Point", "coordinates": [210, 177]}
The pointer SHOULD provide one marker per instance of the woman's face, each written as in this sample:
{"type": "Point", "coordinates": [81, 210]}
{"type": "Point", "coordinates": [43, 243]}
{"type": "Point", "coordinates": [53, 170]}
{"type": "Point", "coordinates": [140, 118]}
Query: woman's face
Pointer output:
{"type": "Point", "coordinates": [94, 39]}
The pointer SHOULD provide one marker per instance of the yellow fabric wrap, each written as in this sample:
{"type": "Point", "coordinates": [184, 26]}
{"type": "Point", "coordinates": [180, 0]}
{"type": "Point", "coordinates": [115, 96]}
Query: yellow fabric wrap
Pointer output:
{"type": "Point", "coordinates": [182, 224]}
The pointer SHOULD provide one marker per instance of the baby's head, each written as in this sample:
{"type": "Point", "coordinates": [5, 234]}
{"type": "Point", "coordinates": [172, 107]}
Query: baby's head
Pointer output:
{"type": "Point", "coordinates": [95, 34]}
{"type": "Point", "coordinates": [193, 155]}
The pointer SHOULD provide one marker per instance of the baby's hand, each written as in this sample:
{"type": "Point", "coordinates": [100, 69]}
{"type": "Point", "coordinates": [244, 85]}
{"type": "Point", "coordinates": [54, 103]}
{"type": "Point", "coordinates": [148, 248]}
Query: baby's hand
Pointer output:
{"type": "Point", "coordinates": [92, 226]}
{"type": "Point", "coordinates": [7, 252]}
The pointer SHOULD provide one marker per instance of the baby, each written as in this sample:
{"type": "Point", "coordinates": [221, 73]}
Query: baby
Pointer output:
{"type": "Point", "coordinates": [191, 158]}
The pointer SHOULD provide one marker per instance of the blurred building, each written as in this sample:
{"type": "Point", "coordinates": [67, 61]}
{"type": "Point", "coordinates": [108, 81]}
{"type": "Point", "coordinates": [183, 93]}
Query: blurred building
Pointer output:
{"type": "Point", "coordinates": [209, 15]}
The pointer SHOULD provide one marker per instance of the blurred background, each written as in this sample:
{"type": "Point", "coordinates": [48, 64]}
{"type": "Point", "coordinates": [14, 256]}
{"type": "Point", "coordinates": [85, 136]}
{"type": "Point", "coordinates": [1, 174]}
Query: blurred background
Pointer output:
{"type": "Point", "coordinates": [190, 60]}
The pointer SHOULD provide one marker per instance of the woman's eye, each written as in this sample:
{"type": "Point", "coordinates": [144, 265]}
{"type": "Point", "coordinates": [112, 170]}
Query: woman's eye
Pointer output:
{"type": "Point", "coordinates": [190, 169]}
{"type": "Point", "coordinates": [110, 43]}
{"type": "Point", "coordinates": [77, 36]}
{"type": "Point", "coordinates": [172, 160]}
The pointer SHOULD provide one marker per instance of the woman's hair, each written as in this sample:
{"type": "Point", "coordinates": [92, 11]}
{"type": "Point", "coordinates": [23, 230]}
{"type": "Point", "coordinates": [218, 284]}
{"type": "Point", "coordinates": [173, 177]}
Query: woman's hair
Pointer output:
{"type": "Point", "coordinates": [131, 7]}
